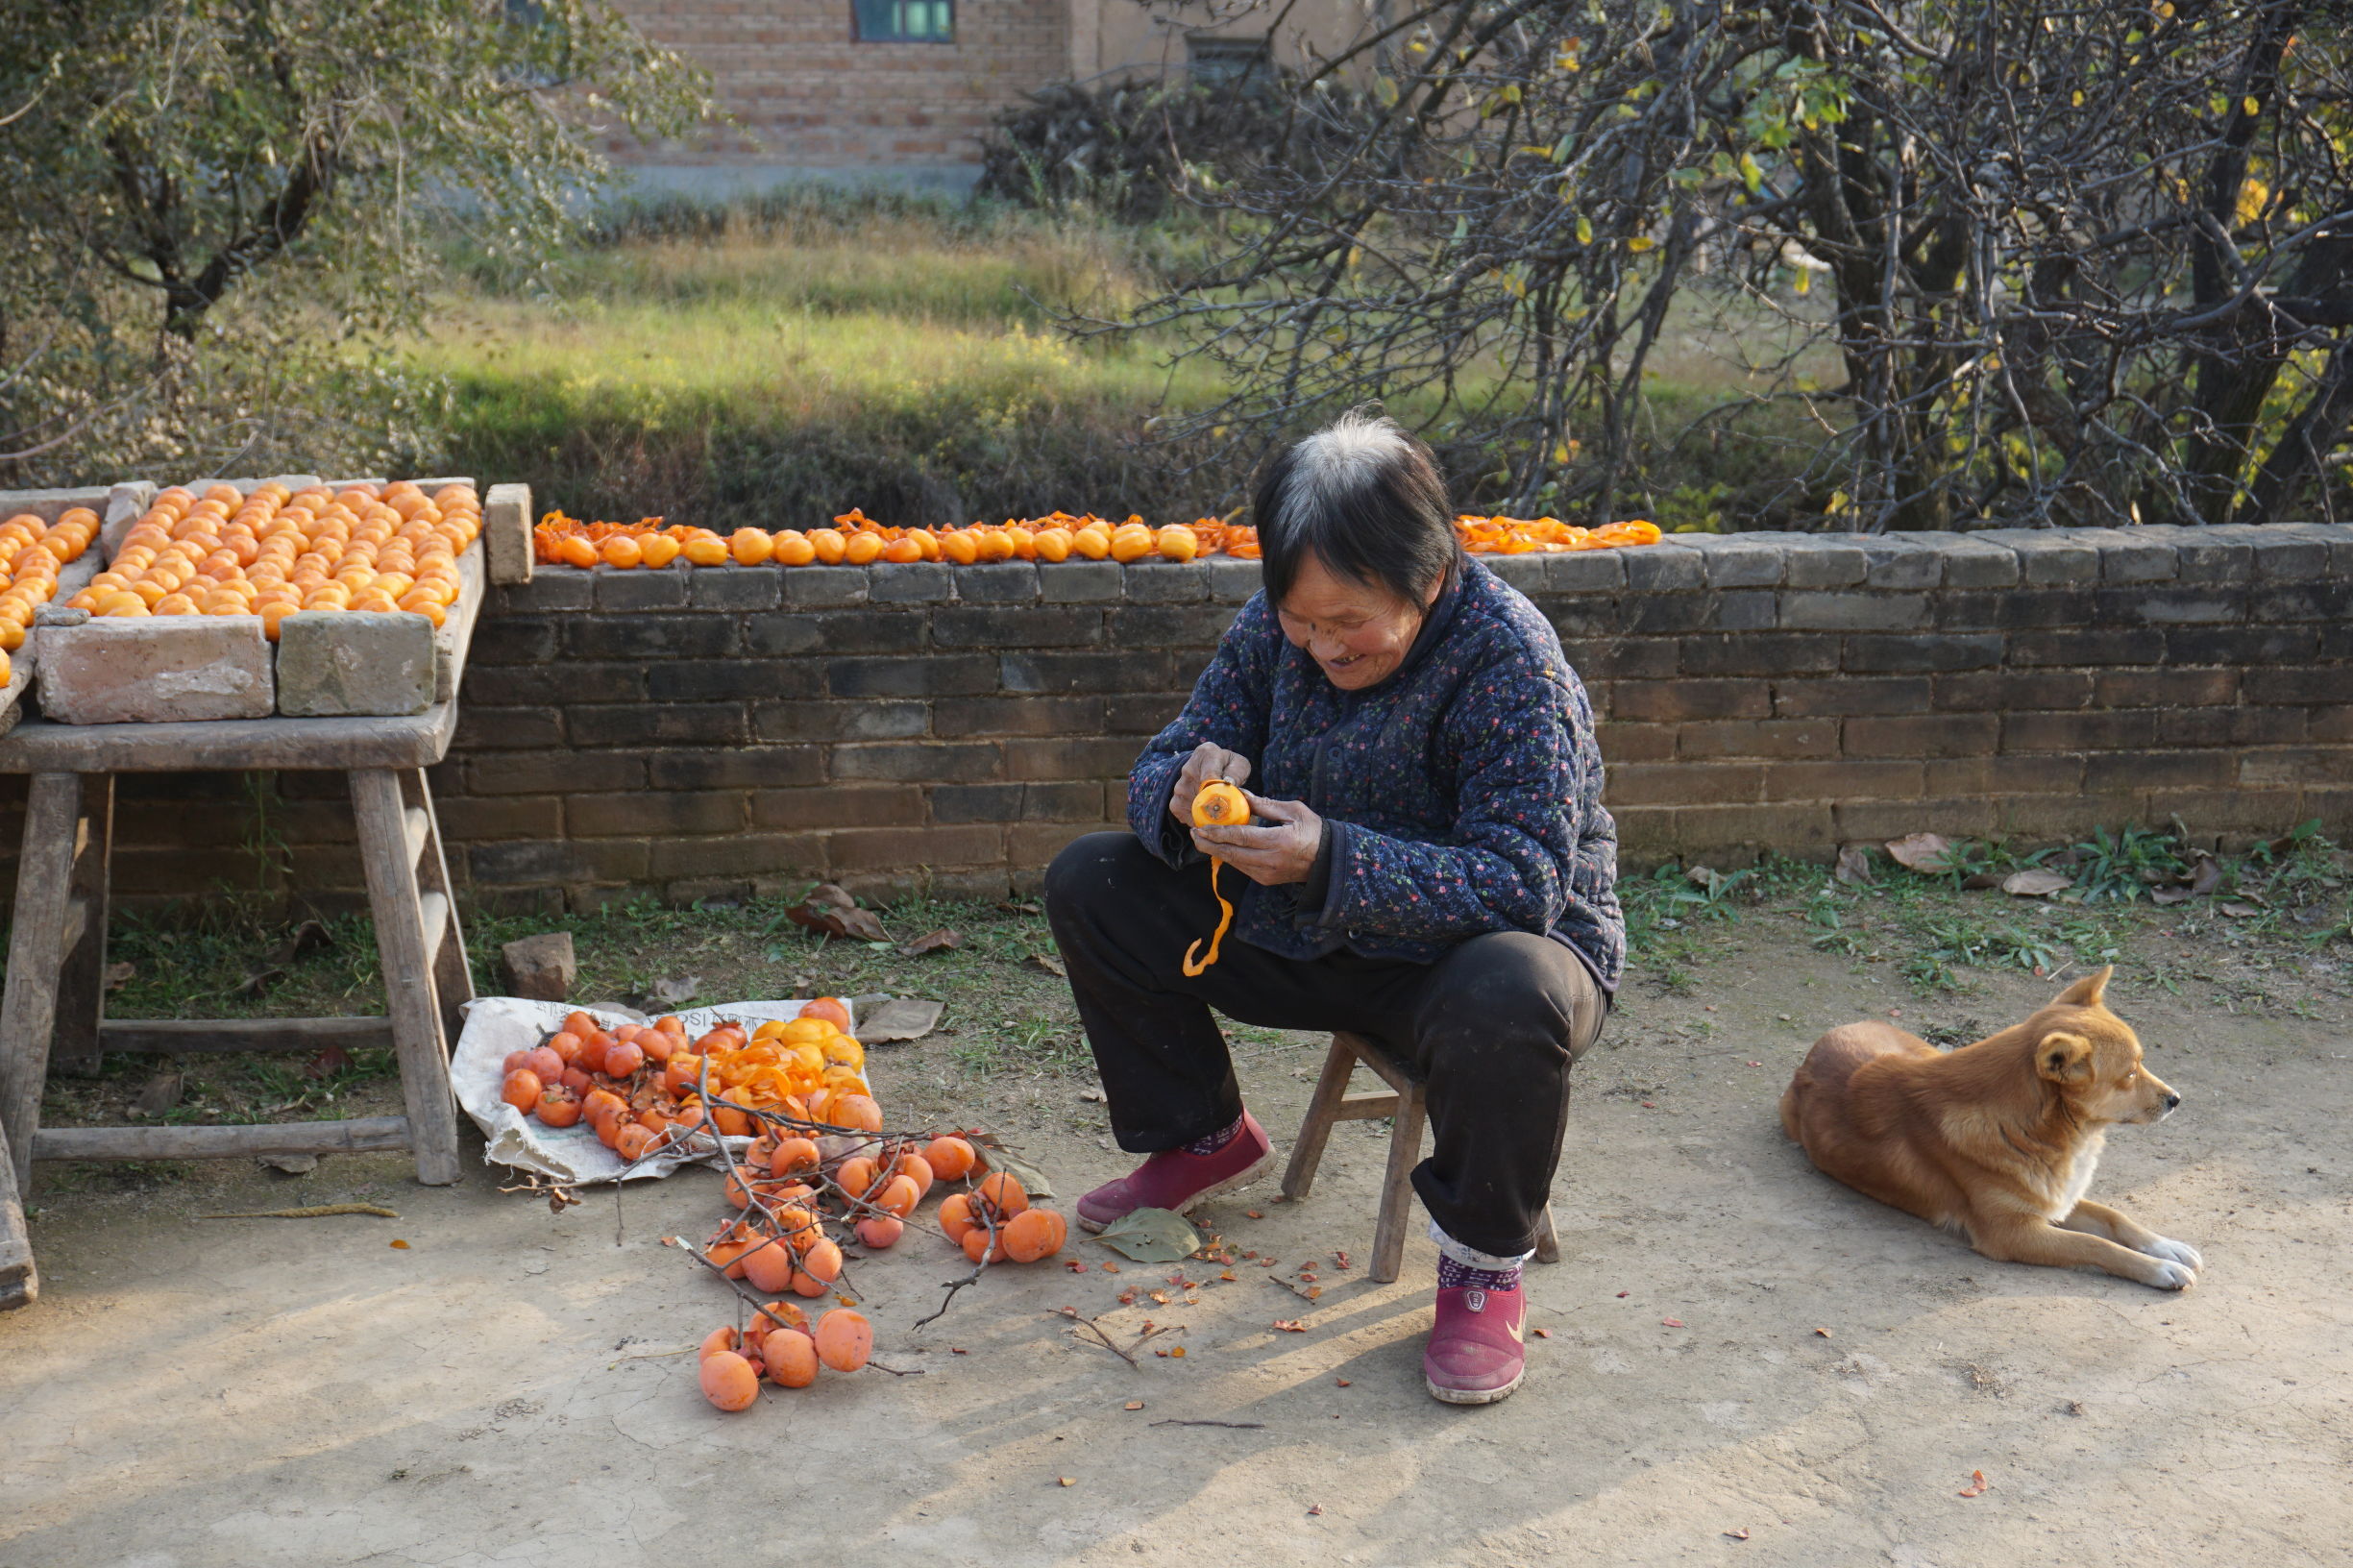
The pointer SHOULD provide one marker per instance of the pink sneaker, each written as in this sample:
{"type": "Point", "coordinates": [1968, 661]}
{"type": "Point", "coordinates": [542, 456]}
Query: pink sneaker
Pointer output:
{"type": "Point", "coordinates": [1477, 1352]}
{"type": "Point", "coordinates": [1174, 1179]}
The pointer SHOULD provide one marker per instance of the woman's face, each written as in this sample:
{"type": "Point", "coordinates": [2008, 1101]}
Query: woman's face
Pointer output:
{"type": "Point", "coordinates": [1357, 632]}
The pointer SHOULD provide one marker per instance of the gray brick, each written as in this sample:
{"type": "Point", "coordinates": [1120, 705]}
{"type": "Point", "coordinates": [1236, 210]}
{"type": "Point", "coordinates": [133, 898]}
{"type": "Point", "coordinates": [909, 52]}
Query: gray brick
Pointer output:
{"type": "Point", "coordinates": [1972, 562]}
{"type": "Point", "coordinates": [1233, 581]}
{"type": "Point", "coordinates": [1750, 609]}
{"type": "Point", "coordinates": [1000, 582]}
{"type": "Point", "coordinates": [2275, 552]}
{"type": "Point", "coordinates": [2129, 554]}
{"type": "Point", "coordinates": [824, 584]}
{"type": "Point", "coordinates": [1082, 582]}
{"type": "Point", "coordinates": [1803, 611]}
{"type": "Point", "coordinates": [2207, 554]}
{"type": "Point", "coordinates": [2048, 555]}
{"type": "Point", "coordinates": [782, 633]}
{"type": "Point", "coordinates": [1661, 568]}
{"type": "Point", "coordinates": [1525, 573]}
{"type": "Point", "coordinates": [640, 589]}
{"type": "Point", "coordinates": [337, 666]}
{"type": "Point", "coordinates": [1903, 560]}
{"type": "Point", "coordinates": [936, 675]}
{"type": "Point", "coordinates": [1167, 582]}
{"type": "Point", "coordinates": [910, 583]}
{"type": "Point", "coordinates": [550, 588]}
{"type": "Point", "coordinates": [2339, 537]}
{"type": "Point", "coordinates": [1585, 571]}
{"type": "Point", "coordinates": [1818, 560]}
{"type": "Point", "coordinates": [1015, 626]}
{"type": "Point", "coordinates": [735, 588]}
{"type": "Point", "coordinates": [1739, 560]}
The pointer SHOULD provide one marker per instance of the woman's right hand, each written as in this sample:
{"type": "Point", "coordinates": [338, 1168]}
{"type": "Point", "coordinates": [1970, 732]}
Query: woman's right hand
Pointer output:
{"type": "Point", "coordinates": [1208, 760]}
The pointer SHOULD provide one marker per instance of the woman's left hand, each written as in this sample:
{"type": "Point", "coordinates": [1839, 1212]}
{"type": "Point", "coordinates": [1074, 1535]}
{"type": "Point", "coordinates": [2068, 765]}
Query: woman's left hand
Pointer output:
{"type": "Point", "coordinates": [1270, 856]}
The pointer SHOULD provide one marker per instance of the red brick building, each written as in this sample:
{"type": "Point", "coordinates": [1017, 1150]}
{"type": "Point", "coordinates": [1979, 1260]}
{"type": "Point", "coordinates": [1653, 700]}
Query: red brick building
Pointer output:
{"type": "Point", "coordinates": [901, 91]}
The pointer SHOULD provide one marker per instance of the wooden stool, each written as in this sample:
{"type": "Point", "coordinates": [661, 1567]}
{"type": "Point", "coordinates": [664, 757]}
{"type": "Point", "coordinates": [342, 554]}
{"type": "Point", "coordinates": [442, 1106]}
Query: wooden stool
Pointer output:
{"type": "Point", "coordinates": [1404, 1102]}
{"type": "Point", "coordinates": [54, 1006]}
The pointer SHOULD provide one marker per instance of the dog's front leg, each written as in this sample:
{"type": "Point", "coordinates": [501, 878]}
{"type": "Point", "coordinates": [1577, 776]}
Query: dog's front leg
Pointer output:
{"type": "Point", "coordinates": [2033, 1239]}
{"type": "Point", "coordinates": [2116, 1225]}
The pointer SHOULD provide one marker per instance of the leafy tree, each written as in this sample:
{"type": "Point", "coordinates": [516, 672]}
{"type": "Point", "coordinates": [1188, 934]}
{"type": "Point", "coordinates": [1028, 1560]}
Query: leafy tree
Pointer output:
{"type": "Point", "coordinates": [2084, 263]}
{"type": "Point", "coordinates": [222, 214]}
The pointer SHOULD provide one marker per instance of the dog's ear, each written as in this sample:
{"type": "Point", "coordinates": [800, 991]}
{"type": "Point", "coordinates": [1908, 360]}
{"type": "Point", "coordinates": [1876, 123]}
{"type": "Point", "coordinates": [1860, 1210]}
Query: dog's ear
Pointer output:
{"type": "Point", "coordinates": [2063, 1057]}
{"type": "Point", "coordinates": [2086, 991]}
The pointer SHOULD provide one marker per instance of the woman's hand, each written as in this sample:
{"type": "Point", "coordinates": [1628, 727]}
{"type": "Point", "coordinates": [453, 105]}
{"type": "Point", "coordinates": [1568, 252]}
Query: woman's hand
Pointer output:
{"type": "Point", "coordinates": [1209, 761]}
{"type": "Point", "coordinates": [1270, 856]}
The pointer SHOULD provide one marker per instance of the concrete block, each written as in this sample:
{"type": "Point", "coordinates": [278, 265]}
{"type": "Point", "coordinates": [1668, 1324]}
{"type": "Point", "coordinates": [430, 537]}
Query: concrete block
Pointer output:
{"type": "Point", "coordinates": [1972, 562]}
{"type": "Point", "coordinates": [1585, 571]}
{"type": "Point", "coordinates": [2048, 555]}
{"type": "Point", "coordinates": [1080, 582]}
{"type": "Point", "coordinates": [507, 532]}
{"type": "Point", "coordinates": [1903, 560]}
{"type": "Point", "coordinates": [1231, 581]}
{"type": "Point", "coordinates": [1661, 567]}
{"type": "Point", "coordinates": [340, 665]}
{"type": "Point", "coordinates": [156, 670]}
{"type": "Point", "coordinates": [1165, 582]}
{"type": "Point", "coordinates": [1739, 560]}
{"type": "Point", "coordinates": [1820, 560]}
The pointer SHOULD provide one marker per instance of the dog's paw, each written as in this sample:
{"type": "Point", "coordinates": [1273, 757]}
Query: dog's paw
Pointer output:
{"type": "Point", "coordinates": [2174, 1252]}
{"type": "Point", "coordinates": [2174, 1276]}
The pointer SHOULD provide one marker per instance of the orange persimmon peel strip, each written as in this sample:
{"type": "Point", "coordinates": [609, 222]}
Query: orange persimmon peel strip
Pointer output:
{"type": "Point", "coordinates": [1218, 805]}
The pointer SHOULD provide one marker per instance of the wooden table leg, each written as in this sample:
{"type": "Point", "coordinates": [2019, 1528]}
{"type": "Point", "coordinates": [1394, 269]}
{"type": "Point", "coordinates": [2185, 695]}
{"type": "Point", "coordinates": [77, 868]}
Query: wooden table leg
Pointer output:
{"type": "Point", "coordinates": [452, 973]}
{"type": "Point", "coordinates": [82, 991]}
{"type": "Point", "coordinates": [28, 1010]}
{"type": "Point", "coordinates": [19, 1280]}
{"type": "Point", "coordinates": [408, 969]}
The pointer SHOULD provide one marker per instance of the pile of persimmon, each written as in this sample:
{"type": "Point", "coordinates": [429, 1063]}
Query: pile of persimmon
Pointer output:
{"type": "Point", "coordinates": [276, 551]}
{"type": "Point", "coordinates": [857, 540]}
{"type": "Point", "coordinates": [641, 1086]}
{"type": "Point", "coordinates": [31, 553]}
{"type": "Point", "coordinates": [1522, 537]}
{"type": "Point", "coordinates": [786, 1354]}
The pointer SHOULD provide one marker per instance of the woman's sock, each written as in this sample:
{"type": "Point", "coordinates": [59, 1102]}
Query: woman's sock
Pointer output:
{"type": "Point", "coordinates": [1459, 1276]}
{"type": "Point", "coordinates": [1215, 1140]}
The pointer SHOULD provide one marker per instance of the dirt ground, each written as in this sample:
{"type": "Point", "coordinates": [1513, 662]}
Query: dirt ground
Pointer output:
{"type": "Point", "coordinates": [1738, 1361]}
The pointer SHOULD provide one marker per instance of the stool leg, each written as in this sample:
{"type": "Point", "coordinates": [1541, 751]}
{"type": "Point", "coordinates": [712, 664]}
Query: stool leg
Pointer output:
{"type": "Point", "coordinates": [1331, 1087]}
{"type": "Point", "coordinates": [82, 988]}
{"type": "Point", "coordinates": [28, 1012]}
{"type": "Point", "coordinates": [409, 976]}
{"type": "Point", "coordinates": [1397, 1186]}
{"type": "Point", "coordinates": [1548, 1240]}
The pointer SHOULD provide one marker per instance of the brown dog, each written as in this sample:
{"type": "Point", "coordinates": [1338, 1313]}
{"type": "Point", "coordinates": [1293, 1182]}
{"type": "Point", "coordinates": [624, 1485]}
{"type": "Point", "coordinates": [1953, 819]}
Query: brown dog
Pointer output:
{"type": "Point", "coordinates": [1998, 1139]}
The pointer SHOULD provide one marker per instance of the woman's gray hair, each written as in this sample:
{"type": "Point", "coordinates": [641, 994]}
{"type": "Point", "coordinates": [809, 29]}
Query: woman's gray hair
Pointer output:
{"type": "Point", "coordinates": [1365, 496]}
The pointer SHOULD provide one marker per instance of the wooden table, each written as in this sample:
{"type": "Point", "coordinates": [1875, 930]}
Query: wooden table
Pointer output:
{"type": "Point", "coordinates": [54, 1005]}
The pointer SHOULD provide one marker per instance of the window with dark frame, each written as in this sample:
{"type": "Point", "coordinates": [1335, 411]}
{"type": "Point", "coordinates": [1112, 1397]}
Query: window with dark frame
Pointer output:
{"type": "Point", "coordinates": [1230, 61]}
{"type": "Point", "coordinates": [904, 21]}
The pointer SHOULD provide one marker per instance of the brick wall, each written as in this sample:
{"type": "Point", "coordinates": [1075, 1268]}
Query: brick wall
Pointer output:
{"type": "Point", "coordinates": [805, 93]}
{"type": "Point", "coordinates": [715, 732]}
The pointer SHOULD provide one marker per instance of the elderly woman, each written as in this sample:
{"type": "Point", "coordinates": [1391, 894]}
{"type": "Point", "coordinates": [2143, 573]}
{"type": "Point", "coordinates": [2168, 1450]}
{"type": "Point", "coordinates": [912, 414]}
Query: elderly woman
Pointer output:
{"type": "Point", "coordinates": [1428, 861]}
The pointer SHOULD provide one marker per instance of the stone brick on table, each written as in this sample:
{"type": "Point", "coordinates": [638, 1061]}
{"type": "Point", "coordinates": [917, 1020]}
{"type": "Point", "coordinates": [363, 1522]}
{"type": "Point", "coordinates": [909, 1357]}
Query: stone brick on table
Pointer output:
{"type": "Point", "coordinates": [506, 533]}
{"type": "Point", "coordinates": [345, 664]}
{"type": "Point", "coordinates": [158, 670]}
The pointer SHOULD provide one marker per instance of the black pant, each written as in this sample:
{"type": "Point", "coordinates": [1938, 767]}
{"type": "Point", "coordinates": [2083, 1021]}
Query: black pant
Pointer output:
{"type": "Point", "coordinates": [1494, 1025]}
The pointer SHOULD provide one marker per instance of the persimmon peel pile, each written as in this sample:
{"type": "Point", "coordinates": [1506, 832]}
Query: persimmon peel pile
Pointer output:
{"type": "Point", "coordinates": [1219, 804]}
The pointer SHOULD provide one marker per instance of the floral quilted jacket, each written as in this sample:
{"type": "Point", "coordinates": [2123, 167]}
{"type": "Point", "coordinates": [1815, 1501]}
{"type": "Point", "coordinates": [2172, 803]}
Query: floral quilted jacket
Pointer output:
{"type": "Point", "coordinates": [1463, 793]}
